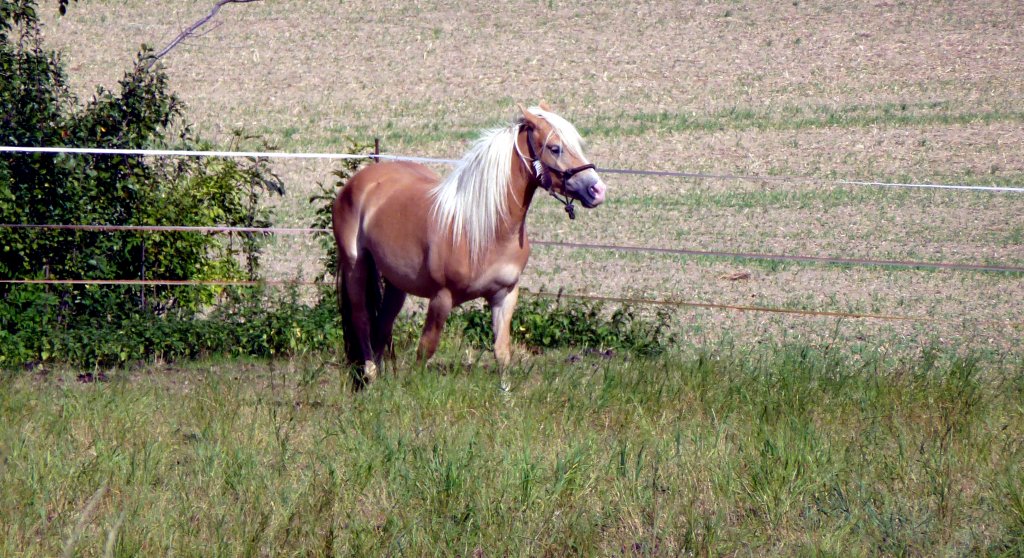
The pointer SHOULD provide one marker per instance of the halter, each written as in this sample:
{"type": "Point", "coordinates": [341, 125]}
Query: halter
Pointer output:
{"type": "Point", "coordinates": [565, 175]}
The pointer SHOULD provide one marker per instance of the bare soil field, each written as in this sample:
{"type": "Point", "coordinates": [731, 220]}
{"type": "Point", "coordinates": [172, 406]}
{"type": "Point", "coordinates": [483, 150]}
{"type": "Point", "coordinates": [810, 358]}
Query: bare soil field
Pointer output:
{"type": "Point", "coordinates": [927, 92]}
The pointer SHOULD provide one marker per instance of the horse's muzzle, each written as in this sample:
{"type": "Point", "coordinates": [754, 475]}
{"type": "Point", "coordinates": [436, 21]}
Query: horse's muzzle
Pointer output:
{"type": "Point", "coordinates": [596, 192]}
{"type": "Point", "coordinates": [590, 193]}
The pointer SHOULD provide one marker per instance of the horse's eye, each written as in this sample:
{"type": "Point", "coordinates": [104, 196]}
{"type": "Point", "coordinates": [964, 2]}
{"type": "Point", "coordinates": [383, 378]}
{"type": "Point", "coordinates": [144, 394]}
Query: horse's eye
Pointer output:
{"type": "Point", "coordinates": [556, 150]}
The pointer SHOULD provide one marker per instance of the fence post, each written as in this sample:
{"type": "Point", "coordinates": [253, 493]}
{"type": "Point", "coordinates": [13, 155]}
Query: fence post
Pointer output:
{"type": "Point", "coordinates": [376, 150]}
{"type": "Point", "coordinates": [231, 254]}
{"type": "Point", "coordinates": [143, 272]}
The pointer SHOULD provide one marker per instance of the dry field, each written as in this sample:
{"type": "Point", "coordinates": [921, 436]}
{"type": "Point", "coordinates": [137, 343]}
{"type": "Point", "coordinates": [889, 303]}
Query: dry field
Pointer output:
{"type": "Point", "coordinates": [889, 91]}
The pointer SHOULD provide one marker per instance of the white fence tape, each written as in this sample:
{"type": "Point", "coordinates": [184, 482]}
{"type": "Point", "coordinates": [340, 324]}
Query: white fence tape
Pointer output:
{"type": "Point", "coordinates": [383, 157]}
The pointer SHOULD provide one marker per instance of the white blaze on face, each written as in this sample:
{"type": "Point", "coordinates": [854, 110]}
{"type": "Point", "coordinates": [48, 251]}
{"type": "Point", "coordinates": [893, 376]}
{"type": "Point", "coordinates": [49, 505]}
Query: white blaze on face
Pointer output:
{"type": "Point", "coordinates": [596, 187]}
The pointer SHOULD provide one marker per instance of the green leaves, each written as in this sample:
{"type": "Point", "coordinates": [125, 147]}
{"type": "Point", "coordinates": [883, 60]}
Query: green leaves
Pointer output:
{"type": "Point", "coordinates": [242, 326]}
{"type": "Point", "coordinates": [37, 109]}
{"type": "Point", "coordinates": [548, 323]}
{"type": "Point", "coordinates": [324, 200]}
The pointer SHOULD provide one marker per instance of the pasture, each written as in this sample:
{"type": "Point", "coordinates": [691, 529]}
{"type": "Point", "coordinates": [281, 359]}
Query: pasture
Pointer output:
{"type": "Point", "coordinates": [761, 433]}
{"type": "Point", "coordinates": [727, 452]}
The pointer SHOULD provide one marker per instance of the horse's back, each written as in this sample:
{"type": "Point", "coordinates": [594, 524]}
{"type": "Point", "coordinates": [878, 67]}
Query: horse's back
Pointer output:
{"type": "Point", "coordinates": [383, 179]}
{"type": "Point", "coordinates": [384, 209]}
{"type": "Point", "coordinates": [380, 185]}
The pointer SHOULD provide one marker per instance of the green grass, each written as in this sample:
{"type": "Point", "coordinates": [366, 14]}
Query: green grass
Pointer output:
{"type": "Point", "coordinates": [794, 117]}
{"type": "Point", "coordinates": [787, 451]}
{"type": "Point", "coordinates": [432, 125]}
{"type": "Point", "coordinates": [821, 198]}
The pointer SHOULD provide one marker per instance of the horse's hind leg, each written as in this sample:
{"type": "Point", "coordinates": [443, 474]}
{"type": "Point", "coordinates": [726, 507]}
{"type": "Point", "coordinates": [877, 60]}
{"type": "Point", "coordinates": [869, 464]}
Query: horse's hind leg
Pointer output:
{"type": "Point", "coordinates": [356, 279]}
{"type": "Point", "coordinates": [391, 305]}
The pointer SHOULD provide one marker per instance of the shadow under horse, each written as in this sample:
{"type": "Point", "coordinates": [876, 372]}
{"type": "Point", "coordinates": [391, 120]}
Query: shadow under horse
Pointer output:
{"type": "Point", "coordinates": [451, 240]}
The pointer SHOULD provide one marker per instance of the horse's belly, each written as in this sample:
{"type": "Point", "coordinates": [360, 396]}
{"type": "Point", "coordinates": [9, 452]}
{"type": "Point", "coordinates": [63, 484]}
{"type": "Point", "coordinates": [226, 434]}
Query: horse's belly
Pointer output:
{"type": "Point", "coordinates": [408, 272]}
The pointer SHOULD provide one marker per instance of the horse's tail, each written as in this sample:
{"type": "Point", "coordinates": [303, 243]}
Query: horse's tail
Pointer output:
{"type": "Point", "coordinates": [374, 294]}
{"type": "Point", "coordinates": [373, 297]}
{"type": "Point", "coordinates": [348, 330]}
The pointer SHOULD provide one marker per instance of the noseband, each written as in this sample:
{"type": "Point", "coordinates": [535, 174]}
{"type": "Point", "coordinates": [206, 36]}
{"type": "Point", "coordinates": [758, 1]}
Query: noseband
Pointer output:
{"type": "Point", "coordinates": [564, 175]}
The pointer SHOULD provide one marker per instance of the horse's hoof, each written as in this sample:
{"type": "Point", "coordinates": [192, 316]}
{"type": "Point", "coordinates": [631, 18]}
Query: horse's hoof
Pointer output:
{"type": "Point", "coordinates": [469, 359]}
{"type": "Point", "coordinates": [369, 372]}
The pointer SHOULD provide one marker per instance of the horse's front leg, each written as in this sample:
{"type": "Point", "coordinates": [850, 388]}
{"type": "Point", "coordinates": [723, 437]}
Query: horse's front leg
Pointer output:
{"type": "Point", "coordinates": [503, 304]}
{"type": "Point", "coordinates": [437, 314]}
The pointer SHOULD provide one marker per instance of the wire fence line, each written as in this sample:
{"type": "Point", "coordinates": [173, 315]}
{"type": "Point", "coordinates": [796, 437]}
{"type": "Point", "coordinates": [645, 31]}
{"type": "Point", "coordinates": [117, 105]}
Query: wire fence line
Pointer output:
{"type": "Point", "coordinates": [169, 228]}
{"type": "Point", "coordinates": [215, 153]}
{"type": "Point", "coordinates": [442, 161]}
{"type": "Point", "coordinates": [539, 294]}
{"type": "Point", "coordinates": [768, 309]}
{"type": "Point", "coordinates": [691, 252]}
{"type": "Point", "coordinates": [569, 245]}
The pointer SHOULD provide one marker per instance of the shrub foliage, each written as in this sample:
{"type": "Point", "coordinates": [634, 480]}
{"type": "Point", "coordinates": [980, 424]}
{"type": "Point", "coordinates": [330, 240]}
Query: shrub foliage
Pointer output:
{"type": "Point", "coordinates": [324, 201]}
{"type": "Point", "coordinates": [37, 109]}
{"type": "Point", "coordinates": [542, 323]}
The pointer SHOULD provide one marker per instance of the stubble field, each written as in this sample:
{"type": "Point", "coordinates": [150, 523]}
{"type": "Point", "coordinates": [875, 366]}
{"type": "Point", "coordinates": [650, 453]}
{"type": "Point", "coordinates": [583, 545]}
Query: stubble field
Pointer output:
{"type": "Point", "coordinates": [923, 93]}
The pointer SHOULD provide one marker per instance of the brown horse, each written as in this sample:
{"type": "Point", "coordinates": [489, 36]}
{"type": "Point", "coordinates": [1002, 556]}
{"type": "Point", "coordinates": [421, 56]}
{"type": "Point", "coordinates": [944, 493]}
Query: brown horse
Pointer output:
{"type": "Point", "coordinates": [450, 240]}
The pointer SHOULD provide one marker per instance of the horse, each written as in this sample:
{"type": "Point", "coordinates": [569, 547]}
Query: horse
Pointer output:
{"type": "Point", "coordinates": [453, 240]}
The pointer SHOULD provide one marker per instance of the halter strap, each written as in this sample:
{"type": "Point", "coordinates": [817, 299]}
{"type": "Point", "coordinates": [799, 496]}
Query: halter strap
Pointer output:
{"type": "Point", "coordinates": [565, 175]}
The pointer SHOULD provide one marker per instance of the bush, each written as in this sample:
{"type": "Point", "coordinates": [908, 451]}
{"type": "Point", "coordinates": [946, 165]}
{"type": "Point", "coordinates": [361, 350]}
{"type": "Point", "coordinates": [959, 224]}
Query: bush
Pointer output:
{"type": "Point", "coordinates": [251, 324]}
{"type": "Point", "coordinates": [37, 109]}
{"type": "Point", "coordinates": [324, 202]}
{"type": "Point", "coordinates": [548, 323]}
{"type": "Point", "coordinates": [90, 324]}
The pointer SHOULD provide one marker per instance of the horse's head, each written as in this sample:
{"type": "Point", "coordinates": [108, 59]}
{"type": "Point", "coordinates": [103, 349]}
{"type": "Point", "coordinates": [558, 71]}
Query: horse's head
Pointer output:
{"type": "Point", "coordinates": [557, 157]}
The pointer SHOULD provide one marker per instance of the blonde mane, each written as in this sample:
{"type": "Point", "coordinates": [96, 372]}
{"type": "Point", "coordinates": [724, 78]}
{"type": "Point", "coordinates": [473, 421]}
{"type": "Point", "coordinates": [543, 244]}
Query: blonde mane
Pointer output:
{"type": "Point", "coordinates": [472, 200]}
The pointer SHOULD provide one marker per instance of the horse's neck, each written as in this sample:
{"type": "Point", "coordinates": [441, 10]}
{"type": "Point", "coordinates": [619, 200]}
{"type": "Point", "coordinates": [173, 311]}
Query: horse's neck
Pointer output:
{"type": "Point", "coordinates": [522, 187]}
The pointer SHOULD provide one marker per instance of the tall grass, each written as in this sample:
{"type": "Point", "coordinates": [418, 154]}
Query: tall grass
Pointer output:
{"type": "Point", "coordinates": [772, 452]}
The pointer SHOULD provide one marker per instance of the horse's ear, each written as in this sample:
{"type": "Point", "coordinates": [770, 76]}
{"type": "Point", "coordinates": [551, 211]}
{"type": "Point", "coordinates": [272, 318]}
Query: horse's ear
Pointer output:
{"type": "Point", "coordinates": [544, 106]}
{"type": "Point", "coordinates": [529, 119]}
